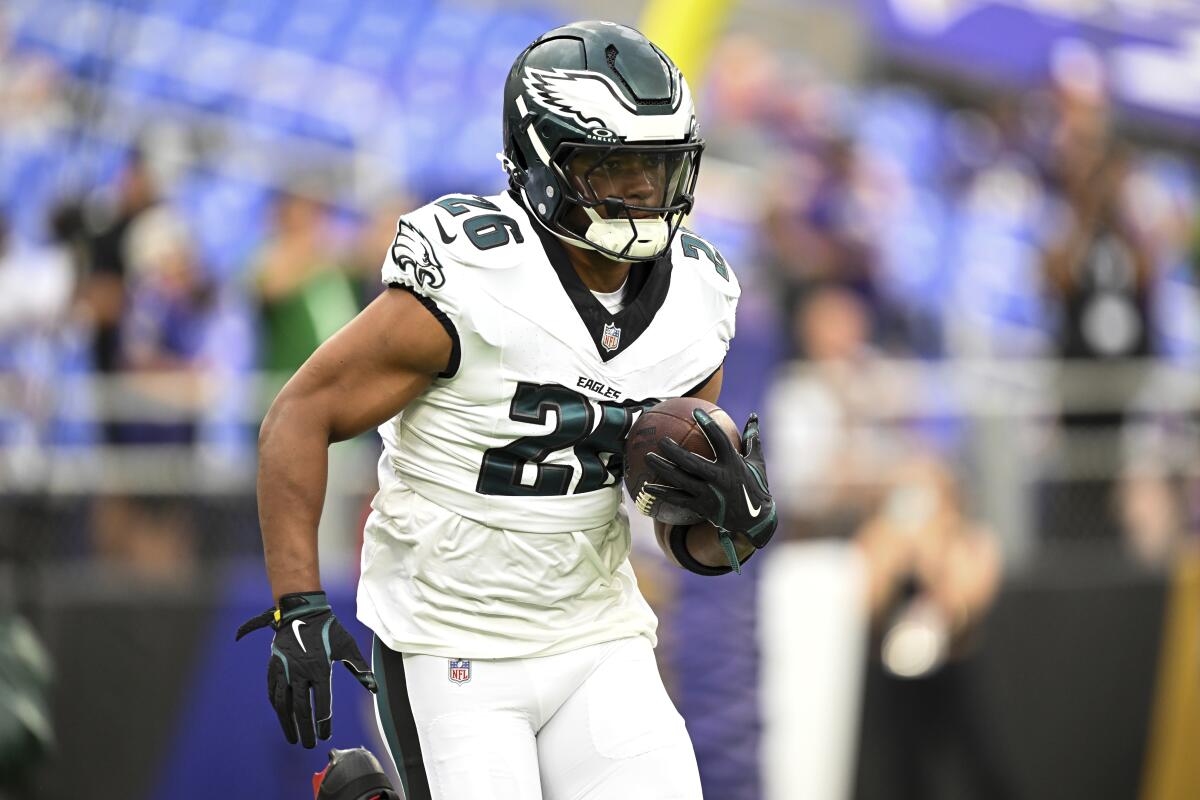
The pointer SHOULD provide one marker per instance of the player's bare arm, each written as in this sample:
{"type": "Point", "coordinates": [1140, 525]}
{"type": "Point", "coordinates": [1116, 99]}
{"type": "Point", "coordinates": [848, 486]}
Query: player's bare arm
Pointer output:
{"type": "Point", "coordinates": [361, 377]}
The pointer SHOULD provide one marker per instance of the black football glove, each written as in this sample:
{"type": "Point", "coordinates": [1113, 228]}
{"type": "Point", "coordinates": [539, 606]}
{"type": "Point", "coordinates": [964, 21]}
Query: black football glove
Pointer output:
{"type": "Point", "coordinates": [730, 492]}
{"type": "Point", "coordinates": [308, 639]}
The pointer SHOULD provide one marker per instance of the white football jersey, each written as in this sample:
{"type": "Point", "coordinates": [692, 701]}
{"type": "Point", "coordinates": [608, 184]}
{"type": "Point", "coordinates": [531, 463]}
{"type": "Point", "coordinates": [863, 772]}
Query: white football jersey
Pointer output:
{"type": "Point", "coordinates": [521, 436]}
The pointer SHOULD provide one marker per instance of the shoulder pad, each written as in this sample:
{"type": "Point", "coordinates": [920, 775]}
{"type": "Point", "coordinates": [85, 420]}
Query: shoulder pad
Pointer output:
{"type": "Point", "coordinates": [412, 259]}
{"type": "Point", "coordinates": [475, 231]}
{"type": "Point", "coordinates": [419, 261]}
{"type": "Point", "coordinates": [691, 251]}
{"type": "Point", "coordinates": [440, 248]}
{"type": "Point", "coordinates": [455, 232]}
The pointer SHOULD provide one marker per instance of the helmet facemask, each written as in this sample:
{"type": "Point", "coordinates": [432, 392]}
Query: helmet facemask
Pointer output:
{"type": "Point", "coordinates": [624, 200]}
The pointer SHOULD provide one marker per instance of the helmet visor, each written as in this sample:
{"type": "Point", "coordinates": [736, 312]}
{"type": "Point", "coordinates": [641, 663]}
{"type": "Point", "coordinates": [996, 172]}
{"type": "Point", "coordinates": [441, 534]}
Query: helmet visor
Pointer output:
{"type": "Point", "coordinates": [647, 180]}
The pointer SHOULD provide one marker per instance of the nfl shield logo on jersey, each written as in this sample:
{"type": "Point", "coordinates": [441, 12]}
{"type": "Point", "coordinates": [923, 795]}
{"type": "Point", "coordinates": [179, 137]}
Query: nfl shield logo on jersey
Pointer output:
{"type": "Point", "coordinates": [460, 670]}
{"type": "Point", "coordinates": [611, 338]}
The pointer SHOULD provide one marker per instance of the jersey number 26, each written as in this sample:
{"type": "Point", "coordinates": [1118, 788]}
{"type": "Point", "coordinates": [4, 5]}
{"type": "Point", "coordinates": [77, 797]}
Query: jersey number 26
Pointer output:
{"type": "Point", "coordinates": [576, 427]}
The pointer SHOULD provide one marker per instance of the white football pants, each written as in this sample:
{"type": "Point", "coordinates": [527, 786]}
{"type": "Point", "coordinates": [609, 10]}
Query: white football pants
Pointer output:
{"type": "Point", "coordinates": [591, 724]}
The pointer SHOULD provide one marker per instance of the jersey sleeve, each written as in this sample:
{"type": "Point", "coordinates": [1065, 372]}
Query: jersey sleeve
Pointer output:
{"type": "Point", "coordinates": [413, 261]}
{"type": "Point", "coordinates": [728, 304]}
{"type": "Point", "coordinates": [414, 264]}
{"type": "Point", "coordinates": [722, 289]}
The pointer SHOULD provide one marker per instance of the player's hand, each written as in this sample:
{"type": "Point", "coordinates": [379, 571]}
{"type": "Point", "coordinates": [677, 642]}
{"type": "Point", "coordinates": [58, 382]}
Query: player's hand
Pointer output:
{"type": "Point", "coordinates": [730, 492]}
{"type": "Point", "coordinates": [308, 639]}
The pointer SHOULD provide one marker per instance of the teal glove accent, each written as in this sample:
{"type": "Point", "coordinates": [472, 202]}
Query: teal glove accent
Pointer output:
{"type": "Point", "coordinates": [308, 639]}
{"type": "Point", "coordinates": [731, 491]}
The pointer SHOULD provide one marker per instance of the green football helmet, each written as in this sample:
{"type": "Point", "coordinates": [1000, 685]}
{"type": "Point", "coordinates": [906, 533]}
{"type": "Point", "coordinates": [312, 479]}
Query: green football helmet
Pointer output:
{"type": "Point", "coordinates": [600, 139]}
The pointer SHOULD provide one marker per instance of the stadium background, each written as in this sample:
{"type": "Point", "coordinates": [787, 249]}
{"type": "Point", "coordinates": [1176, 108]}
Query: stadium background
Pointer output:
{"type": "Point", "coordinates": [967, 238]}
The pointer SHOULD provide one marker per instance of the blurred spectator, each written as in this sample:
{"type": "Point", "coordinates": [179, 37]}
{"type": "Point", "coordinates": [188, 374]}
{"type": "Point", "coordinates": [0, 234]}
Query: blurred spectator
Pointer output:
{"type": "Point", "coordinates": [836, 418]}
{"type": "Point", "coordinates": [1157, 497]}
{"type": "Point", "coordinates": [1098, 263]}
{"type": "Point", "coordinates": [1098, 267]}
{"type": "Point", "coordinates": [36, 286]}
{"type": "Point", "coordinates": [171, 310]}
{"type": "Point", "coordinates": [36, 283]}
{"type": "Point", "coordinates": [184, 347]}
{"type": "Point", "coordinates": [304, 294]}
{"type": "Point", "coordinates": [102, 292]}
{"type": "Point", "coordinates": [1154, 514]}
{"type": "Point", "coordinates": [851, 465]}
{"type": "Point", "coordinates": [1099, 270]}
{"type": "Point", "coordinates": [932, 575]}
{"type": "Point", "coordinates": [741, 86]}
{"type": "Point", "coordinates": [35, 116]}
{"type": "Point", "coordinates": [32, 103]}
{"type": "Point", "coordinates": [187, 341]}
{"type": "Point", "coordinates": [927, 560]}
{"type": "Point", "coordinates": [819, 225]}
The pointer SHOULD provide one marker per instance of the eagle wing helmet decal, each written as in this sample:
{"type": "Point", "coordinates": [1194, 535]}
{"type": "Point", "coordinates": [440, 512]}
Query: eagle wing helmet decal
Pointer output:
{"type": "Point", "coordinates": [412, 252]}
{"type": "Point", "coordinates": [594, 102]}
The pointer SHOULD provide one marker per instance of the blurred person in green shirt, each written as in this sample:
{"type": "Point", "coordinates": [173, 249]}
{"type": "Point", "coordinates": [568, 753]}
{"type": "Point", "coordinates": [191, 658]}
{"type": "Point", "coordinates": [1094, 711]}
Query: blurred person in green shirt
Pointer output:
{"type": "Point", "coordinates": [304, 294]}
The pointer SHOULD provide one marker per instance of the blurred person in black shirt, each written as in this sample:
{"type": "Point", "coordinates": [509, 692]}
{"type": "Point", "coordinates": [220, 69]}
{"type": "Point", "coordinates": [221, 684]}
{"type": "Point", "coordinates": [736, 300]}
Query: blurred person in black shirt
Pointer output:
{"type": "Point", "coordinates": [933, 574]}
{"type": "Point", "coordinates": [103, 291]}
{"type": "Point", "coordinates": [857, 467]}
{"type": "Point", "coordinates": [1099, 270]}
{"type": "Point", "coordinates": [166, 352]}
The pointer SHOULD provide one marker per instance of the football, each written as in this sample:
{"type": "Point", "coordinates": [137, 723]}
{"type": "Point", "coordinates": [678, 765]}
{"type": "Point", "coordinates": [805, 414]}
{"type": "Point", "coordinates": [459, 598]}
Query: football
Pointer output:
{"type": "Point", "coordinates": [671, 418]}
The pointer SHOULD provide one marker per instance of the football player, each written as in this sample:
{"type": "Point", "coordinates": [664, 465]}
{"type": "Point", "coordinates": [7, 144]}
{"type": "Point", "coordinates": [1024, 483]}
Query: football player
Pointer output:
{"type": "Point", "coordinates": [519, 338]}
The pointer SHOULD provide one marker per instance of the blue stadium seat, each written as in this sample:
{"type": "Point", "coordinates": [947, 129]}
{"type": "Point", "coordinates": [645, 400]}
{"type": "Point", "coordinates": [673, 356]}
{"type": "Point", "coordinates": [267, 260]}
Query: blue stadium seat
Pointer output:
{"type": "Point", "coordinates": [155, 43]}
{"type": "Point", "coordinates": [95, 162]}
{"type": "Point", "coordinates": [914, 252]}
{"type": "Point", "coordinates": [137, 81]}
{"type": "Point", "coordinates": [474, 155]}
{"type": "Point", "coordinates": [323, 129]}
{"type": "Point", "coordinates": [997, 282]}
{"type": "Point", "coordinates": [227, 217]}
{"type": "Point", "coordinates": [264, 118]}
{"type": "Point", "coordinates": [35, 184]}
{"type": "Point", "coordinates": [212, 71]}
{"type": "Point", "coordinates": [313, 29]}
{"type": "Point", "coordinates": [257, 21]}
{"type": "Point", "coordinates": [504, 37]}
{"type": "Point", "coordinates": [442, 57]}
{"type": "Point", "coordinates": [191, 12]}
{"type": "Point", "coordinates": [902, 123]}
{"type": "Point", "coordinates": [381, 36]}
{"type": "Point", "coordinates": [73, 424]}
{"type": "Point", "coordinates": [76, 37]}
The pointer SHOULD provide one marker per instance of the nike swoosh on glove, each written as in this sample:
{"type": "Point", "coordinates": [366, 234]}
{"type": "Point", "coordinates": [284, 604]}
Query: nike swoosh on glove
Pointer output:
{"type": "Point", "coordinates": [730, 491]}
{"type": "Point", "coordinates": [308, 639]}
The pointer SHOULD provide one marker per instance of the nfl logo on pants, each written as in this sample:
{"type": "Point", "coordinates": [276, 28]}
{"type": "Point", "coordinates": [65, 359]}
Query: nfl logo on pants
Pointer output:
{"type": "Point", "coordinates": [610, 338]}
{"type": "Point", "coordinates": [460, 670]}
